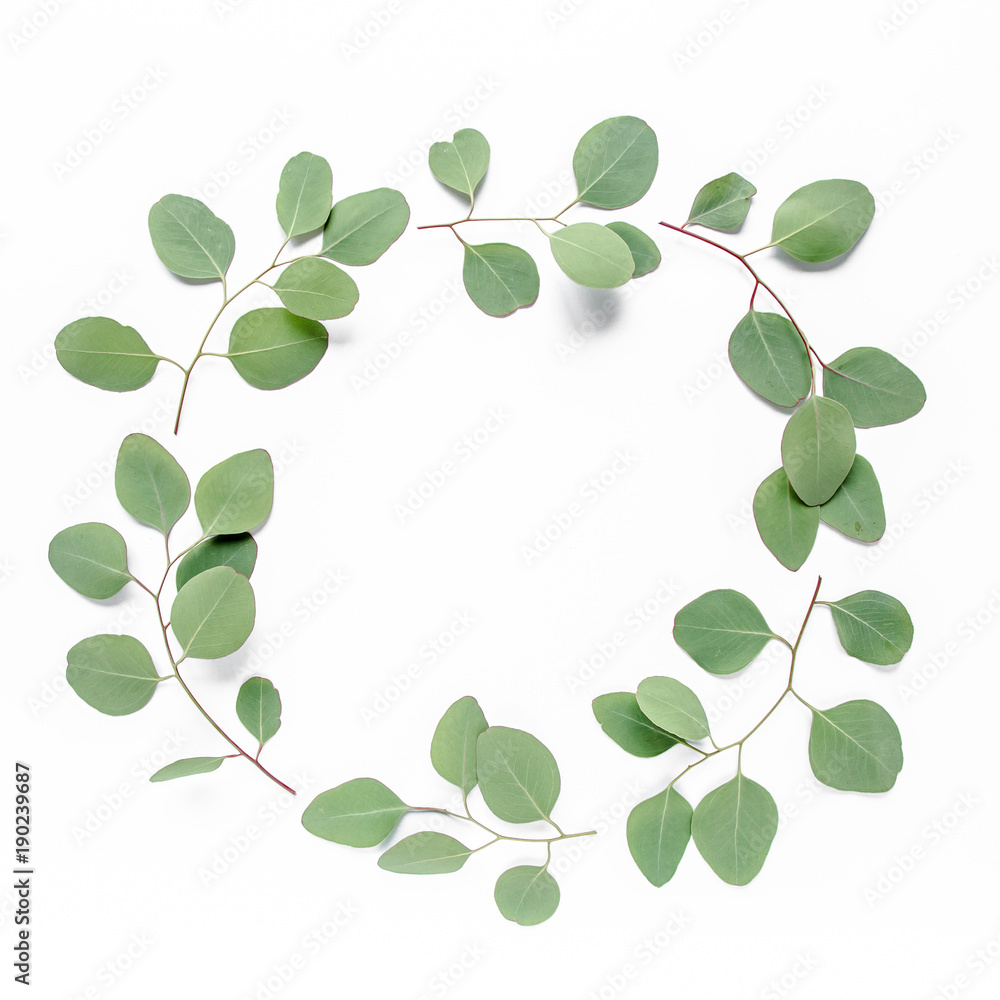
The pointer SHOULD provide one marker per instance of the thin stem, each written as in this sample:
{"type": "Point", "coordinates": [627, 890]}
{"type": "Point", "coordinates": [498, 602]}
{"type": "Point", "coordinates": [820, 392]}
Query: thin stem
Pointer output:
{"type": "Point", "coordinates": [503, 836]}
{"type": "Point", "coordinates": [497, 218]}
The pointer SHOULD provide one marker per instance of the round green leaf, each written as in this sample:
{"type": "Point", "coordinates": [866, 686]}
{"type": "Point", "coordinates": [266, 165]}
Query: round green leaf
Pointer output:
{"type": "Point", "coordinates": [822, 220]}
{"type": "Point", "coordinates": [316, 289]}
{"type": "Point", "coordinates": [190, 239]}
{"type": "Point", "coordinates": [188, 766]}
{"type": "Point", "coordinates": [362, 227]}
{"type": "Point", "coordinates": [592, 255]}
{"type": "Point", "coordinates": [673, 706]}
{"type": "Point", "coordinates": [875, 388]}
{"type": "Point", "coordinates": [91, 558]}
{"type": "Point", "coordinates": [238, 551]}
{"type": "Point", "coordinates": [461, 164]}
{"type": "Point", "coordinates": [658, 831]}
{"type": "Point", "coordinates": [425, 853]}
{"type": "Point", "coordinates": [873, 627]}
{"type": "Point", "coordinates": [615, 163]}
{"type": "Point", "coordinates": [645, 253]}
{"type": "Point", "coordinates": [622, 719]}
{"type": "Point", "coordinates": [112, 673]}
{"type": "Point", "coordinates": [236, 495]}
{"type": "Point", "coordinates": [518, 775]}
{"type": "Point", "coordinates": [722, 631]}
{"type": "Point", "coordinates": [722, 204]}
{"type": "Point", "coordinates": [359, 813]}
{"type": "Point", "coordinates": [150, 483]}
{"type": "Point", "coordinates": [499, 278]}
{"type": "Point", "coordinates": [258, 707]}
{"type": "Point", "coordinates": [733, 827]}
{"type": "Point", "coordinates": [105, 354]}
{"type": "Point", "coordinates": [855, 747]}
{"type": "Point", "coordinates": [305, 193]}
{"type": "Point", "coordinates": [213, 613]}
{"type": "Point", "coordinates": [817, 449]}
{"type": "Point", "coordinates": [856, 508]}
{"type": "Point", "coordinates": [786, 525]}
{"type": "Point", "coordinates": [768, 354]}
{"type": "Point", "coordinates": [527, 895]}
{"type": "Point", "coordinates": [271, 348]}
{"type": "Point", "coordinates": [453, 747]}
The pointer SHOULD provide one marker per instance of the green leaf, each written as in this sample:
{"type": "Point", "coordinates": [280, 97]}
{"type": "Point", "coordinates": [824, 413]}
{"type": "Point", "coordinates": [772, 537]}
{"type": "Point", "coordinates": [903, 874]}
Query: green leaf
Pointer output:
{"type": "Point", "coordinates": [673, 706]}
{"type": "Point", "coordinates": [235, 495]}
{"type": "Point", "coordinates": [461, 164]}
{"type": "Point", "coordinates": [622, 719]}
{"type": "Point", "coordinates": [822, 220]}
{"type": "Point", "coordinates": [499, 278]}
{"type": "Point", "coordinates": [615, 163]}
{"type": "Point", "coordinates": [187, 767]}
{"type": "Point", "coordinates": [359, 813]}
{"type": "Point", "coordinates": [238, 551]}
{"type": "Point", "coordinates": [213, 614]}
{"type": "Point", "coordinates": [150, 484]}
{"type": "Point", "coordinates": [786, 525]}
{"type": "Point", "coordinates": [453, 747]}
{"type": "Point", "coordinates": [305, 193]}
{"type": "Point", "coordinates": [722, 204]}
{"type": "Point", "coordinates": [855, 747]}
{"type": "Point", "coordinates": [722, 631]}
{"type": "Point", "coordinates": [425, 853]}
{"type": "Point", "coordinates": [733, 827]}
{"type": "Point", "coordinates": [272, 348]}
{"type": "Point", "coordinates": [91, 558]}
{"type": "Point", "coordinates": [873, 626]}
{"type": "Point", "coordinates": [771, 358]}
{"type": "Point", "coordinates": [518, 775]}
{"type": "Point", "coordinates": [592, 255]}
{"type": "Point", "coordinates": [645, 253]}
{"type": "Point", "coordinates": [527, 895]}
{"type": "Point", "coordinates": [190, 239]}
{"type": "Point", "coordinates": [875, 388]}
{"type": "Point", "coordinates": [258, 707]}
{"type": "Point", "coordinates": [856, 508]}
{"type": "Point", "coordinates": [105, 354]}
{"type": "Point", "coordinates": [362, 227]}
{"type": "Point", "coordinates": [316, 289]}
{"type": "Point", "coordinates": [658, 831]}
{"type": "Point", "coordinates": [817, 449]}
{"type": "Point", "coordinates": [112, 673]}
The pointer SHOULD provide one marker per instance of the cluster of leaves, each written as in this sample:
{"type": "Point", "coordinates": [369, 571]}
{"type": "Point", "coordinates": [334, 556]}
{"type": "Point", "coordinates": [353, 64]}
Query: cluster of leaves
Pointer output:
{"type": "Point", "coordinates": [614, 165]}
{"type": "Point", "coordinates": [821, 478]}
{"type": "Point", "coordinates": [269, 347]}
{"type": "Point", "coordinates": [519, 781]}
{"type": "Point", "coordinates": [213, 612]}
{"type": "Point", "coordinates": [854, 746]}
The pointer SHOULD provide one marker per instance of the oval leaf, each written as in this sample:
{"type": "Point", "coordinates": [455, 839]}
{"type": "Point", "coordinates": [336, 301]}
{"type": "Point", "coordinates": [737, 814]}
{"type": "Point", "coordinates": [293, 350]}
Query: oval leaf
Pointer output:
{"type": "Point", "coordinates": [235, 495]}
{"type": "Point", "coordinates": [316, 289]}
{"type": "Point", "coordinates": [150, 483]}
{"type": "Point", "coordinates": [767, 353]}
{"type": "Point", "coordinates": [673, 706]}
{"type": "Point", "coordinates": [622, 719]}
{"type": "Point", "coordinates": [187, 767]}
{"type": "Point", "coordinates": [213, 613]}
{"type": "Point", "coordinates": [817, 449]}
{"type": "Point", "coordinates": [258, 707]}
{"type": "Point", "coordinates": [856, 509]}
{"type": "Point", "coordinates": [362, 227]}
{"type": "Point", "coordinates": [733, 827]}
{"type": "Point", "coordinates": [359, 813]}
{"type": "Point", "coordinates": [461, 164]}
{"type": "Point", "coordinates": [499, 278]}
{"type": "Point", "coordinates": [875, 388]}
{"type": "Point", "coordinates": [822, 220]}
{"type": "Point", "coordinates": [105, 354]}
{"type": "Point", "coordinates": [305, 193]}
{"type": "Point", "coordinates": [238, 551]}
{"type": "Point", "coordinates": [855, 747]}
{"type": "Point", "coordinates": [112, 673]}
{"type": "Point", "coordinates": [190, 239]}
{"type": "Point", "coordinates": [592, 255]}
{"type": "Point", "coordinates": [453, 747]}
{"type": "Point", "coordinates": [658, 831]}
{"type": "Point", "coordinates": [786, 525]}
{"type": "Point", "coordinates": [645, 253]}
{"type": "Point", "coordinates": [518, 775]}
{"type": "Point", "coordinates": [271, 348]}
{"type": "Point", "coordinates": [722, 631]}
{"type": "Point", "coordinates": [425, 853]}
{"type": "Point", "coordinates": [722, 204]}
{"type": "Point", "coordinates": [615, 163]}
{"type": "Point", "coordinates": [873, 627]}
{"type": "Point", "coordinates": [91, 558]}
{"type": "Point", "coordinates": [527, 895]}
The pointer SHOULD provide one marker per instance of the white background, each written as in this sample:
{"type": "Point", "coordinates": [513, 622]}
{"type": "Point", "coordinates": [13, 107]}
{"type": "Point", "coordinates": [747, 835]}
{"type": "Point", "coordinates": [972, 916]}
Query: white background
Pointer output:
{"type": "Point", "coordinates": [868, 896]}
